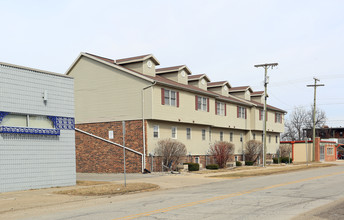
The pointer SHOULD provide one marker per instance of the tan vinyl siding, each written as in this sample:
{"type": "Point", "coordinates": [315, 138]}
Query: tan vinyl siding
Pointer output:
{"type": "Point", "coordinates": [106, 94]}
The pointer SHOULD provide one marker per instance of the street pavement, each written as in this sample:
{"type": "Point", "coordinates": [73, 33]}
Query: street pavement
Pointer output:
{"type": "Point", "coordinates": [281, 196]}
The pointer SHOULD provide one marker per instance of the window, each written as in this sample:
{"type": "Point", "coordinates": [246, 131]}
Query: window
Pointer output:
{"type": "Point", "coordinates": [276, 139]}
{"type": "Point", "coordinates": [169, 97]}
{"type": "Point", "coordinates": [254, 136]}
{"type": "Point", "coordinates": [31, 121]}
{"type": "Point", "coordinates": [262, 137]}
{"type": "Point", "coordinates": [330, 151]}
{"type": "Point", "coordinates": [203, 134]}
{"type": "Point", "coordinates": [220, 108]}
{"type": "Point", "coordinates": [241, 137]}
{"type": "Point", "coordinates": [261, 114]}
{"type": "Point", "coordinates": [156, 131]}
{"type": "Point", "coordinates": [278, 117]}
{"type": "Point", "coordinates": [197, 160]}
{"type": "Point", "coordinates": [110, 134]}
{"type": "Point", "coordinates": [202, 103]}
{"type": "Point", "coordinates": [221, 135]}
{"type": "Point", "coordinates": [231, 137]}
{"type": "Point", "coordinates": [188, 133]}
{"type": "Point", "coordinates": [241, 112]}
{"type": "Point", "coordinates": [174, 132]}
{"type": "Point", "coordinates": [269, 138]}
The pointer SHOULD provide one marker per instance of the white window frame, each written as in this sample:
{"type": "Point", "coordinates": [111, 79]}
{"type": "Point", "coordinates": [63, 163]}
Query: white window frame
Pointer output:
{"type": "Point", "coordinates": [111, 136]}
{"type": "Point", "coordinates": [220, 108]}
{"type": "Point", "coordinates": [254, 136]}
{"type": "Point", "coordinates": [202, 103]}
{"type": "Point", "coordinates": [156, 133]}
{"type": "Point", "coordinates": [242, 112]}
{"type": "Point", "coordinates": [204, 133]}
{"type": "Point", "coordinates": [241, 137]}
{"type": "Point", "coordinates": [197, 160]}
{"type": "Point", "coordinates": [170, 97]}
{"type": "Point", "coordinates": [278, 117]}
{"type": "Point", "coordinates": [174, 132]}
{"type": "Point", "coordinates": [188, 133]}
{"type": "Point", "coordinates": [221, 135]}
{"type": "Point", "coordinates": [261, 112]}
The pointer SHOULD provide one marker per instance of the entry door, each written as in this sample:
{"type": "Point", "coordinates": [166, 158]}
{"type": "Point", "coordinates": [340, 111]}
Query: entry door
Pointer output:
{"type": "Point", "coordinates": [322, 152]}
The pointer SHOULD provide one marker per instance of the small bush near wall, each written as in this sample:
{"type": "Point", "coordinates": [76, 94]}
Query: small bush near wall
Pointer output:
{"type": "Point", "coordinates": [212, 167]}
{"type": "Point", "coordinates": [238, 163]}
{"type": "Point", "coordinates": [248, 163]}
{"type": "Point", "coordinates": [193, 166]}
{"type": "Point", "coordinates": [282, 160]}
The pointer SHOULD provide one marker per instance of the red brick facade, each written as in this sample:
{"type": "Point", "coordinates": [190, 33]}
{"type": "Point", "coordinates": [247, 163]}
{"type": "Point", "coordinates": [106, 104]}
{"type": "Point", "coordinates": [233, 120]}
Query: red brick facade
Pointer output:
{"type": "Point", "coordinates": [96, 156]}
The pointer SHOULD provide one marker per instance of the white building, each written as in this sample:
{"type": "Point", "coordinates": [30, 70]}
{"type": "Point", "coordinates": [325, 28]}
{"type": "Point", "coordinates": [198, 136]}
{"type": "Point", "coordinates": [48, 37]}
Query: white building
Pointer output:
{"type": "Point", "coordinates": [37, 139]}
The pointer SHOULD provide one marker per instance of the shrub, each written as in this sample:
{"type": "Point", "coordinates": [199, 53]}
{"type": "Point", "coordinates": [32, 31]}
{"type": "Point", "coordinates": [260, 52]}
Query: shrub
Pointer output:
{"type": "Point", "coordinates": [222, 152]}
{"type": "Point", "coordinates": [253, 151]}
{"type": "Point", "coordinates": [171, 151]}
{"type": "Point", "coordinates": [212, 167]}
{"type": "Point", "coordinates": [282, 160]}
{"type": "Point", "coordinates": [193, 166]}
{"type": "Point", "coordinates": [249, 163]}
{"type": "Point", "coordinates": [238, 163]}
{"type": "Point", "coordinates": [275, 159]}
{"type": "Point", "coordinates": [286, 160]}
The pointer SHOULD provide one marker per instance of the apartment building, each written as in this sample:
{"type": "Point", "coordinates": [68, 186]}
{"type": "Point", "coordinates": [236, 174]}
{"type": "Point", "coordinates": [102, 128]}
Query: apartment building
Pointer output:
{"type": "Point", "coordinates": [160, 103]}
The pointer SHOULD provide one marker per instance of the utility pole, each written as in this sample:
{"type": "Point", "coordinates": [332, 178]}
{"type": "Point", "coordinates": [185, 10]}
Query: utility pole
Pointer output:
{"type": "Point", "coordinates": [266, 79]}
{"type": "Point", "coordinates": [314, 110]}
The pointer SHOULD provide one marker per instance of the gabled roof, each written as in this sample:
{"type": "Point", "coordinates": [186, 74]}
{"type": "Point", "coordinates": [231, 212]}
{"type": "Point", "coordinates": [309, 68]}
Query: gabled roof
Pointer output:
{"type": "Point", "coordinates": [173, 69]}
{"type": "Point", "coordinates": [138, 59]}
{"type": "Point", "coordinates": [240, 89]}
{"type": "Point", "coordinates": [268, 106]}
{"type": "Point", "coordinates": [218, 84]}
{"type": "Point", "coordinates": [166, 82]}
{"type": "Point", "coordinates": [257, 93]}
{"type": "Point", "coordinates": [198, 77]}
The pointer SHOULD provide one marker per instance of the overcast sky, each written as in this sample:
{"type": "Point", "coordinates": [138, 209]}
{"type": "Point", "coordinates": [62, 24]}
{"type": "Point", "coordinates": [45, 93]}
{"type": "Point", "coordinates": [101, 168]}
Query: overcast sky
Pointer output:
{"type": "Point", "coordinates": [223, 39]}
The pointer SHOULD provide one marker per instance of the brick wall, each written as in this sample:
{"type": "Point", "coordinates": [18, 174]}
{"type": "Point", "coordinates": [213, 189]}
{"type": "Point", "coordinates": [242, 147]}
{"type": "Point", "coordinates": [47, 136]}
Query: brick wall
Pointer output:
{"type": "Point", "coordinates": [96, 156]}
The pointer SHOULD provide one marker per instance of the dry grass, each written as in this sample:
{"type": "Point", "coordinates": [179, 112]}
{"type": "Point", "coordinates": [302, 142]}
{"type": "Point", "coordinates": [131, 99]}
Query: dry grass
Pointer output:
{"type": "Point", "coordinates": [226, 170]}
{"type": "Point", "coordinates": [109, 189]}
{"type": "Point", "coordinates": [263, 171]}
{"type": "Point", "coordinates": [90, 183]}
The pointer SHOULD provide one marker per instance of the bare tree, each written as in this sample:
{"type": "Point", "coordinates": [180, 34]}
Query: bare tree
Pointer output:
{"type": "Point", "coordinates": [285, 150]}
{"type": "Point", "coordinates": [301, 119]}
{"type": "Point", "coordinates": [222, 152]}
{"type": "Point", "coordinates": [171, 151]}
{"type": "Point", "coordinates": [253, 150]}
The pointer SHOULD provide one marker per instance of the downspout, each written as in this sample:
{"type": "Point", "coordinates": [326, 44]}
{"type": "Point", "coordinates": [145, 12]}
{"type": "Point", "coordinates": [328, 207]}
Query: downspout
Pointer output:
{"type": "Point", "coordinates": [143, 126]}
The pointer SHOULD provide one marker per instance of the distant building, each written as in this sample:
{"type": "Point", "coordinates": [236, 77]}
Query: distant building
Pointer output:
{"type": "Point", "coordinates": [37, 137]}
{"type": "Point", "coordinates": [157, 104]}
{"type": "Point", "coordinates": [328, 133]}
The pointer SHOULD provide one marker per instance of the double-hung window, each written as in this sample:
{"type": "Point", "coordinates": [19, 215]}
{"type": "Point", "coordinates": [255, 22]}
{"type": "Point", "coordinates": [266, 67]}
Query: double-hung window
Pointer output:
{"type": "Point", "coordinates": [169, 97]}
{"type": "Point", "coordinates": [231, 137]}
{"type": "Point", "coordinates": [188, 133]}
{"type": "Point", "coordinates": [241, 112]}
{"type": "Point", "coordinates": [278, 117]}
{"type": "Point", "coordinates": [156, 131]}
{"type": "Point", "coordinates": [220, 108]}
{"type": "Point", "coordinates": [202, 103]}
{"type": "Point", "coordinates": [221, 135]}
{"type": "Point", "coordinates": [261, 114]}
{"type": "Point", "coordinates": [203, 134]}
{"type": "Point", "coordinates": [174, 132]}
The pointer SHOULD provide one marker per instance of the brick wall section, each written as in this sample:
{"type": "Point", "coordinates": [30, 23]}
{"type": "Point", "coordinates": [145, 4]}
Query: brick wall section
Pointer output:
{"type": "Point", "coordinates": [96, 156]}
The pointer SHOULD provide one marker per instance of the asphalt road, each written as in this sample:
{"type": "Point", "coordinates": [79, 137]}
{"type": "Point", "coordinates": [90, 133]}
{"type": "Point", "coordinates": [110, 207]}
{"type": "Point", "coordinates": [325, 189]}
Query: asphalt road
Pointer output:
{"type": "Point", "coordinates": [282, 196]}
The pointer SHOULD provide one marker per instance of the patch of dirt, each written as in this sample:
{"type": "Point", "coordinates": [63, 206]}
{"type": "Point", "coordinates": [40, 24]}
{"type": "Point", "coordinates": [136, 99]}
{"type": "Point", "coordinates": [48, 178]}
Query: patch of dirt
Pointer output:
{"type": "Point", "coordinates": [109, 189]}
{"type": "Point", "coordinates": [263, 171]}
{"type": "Point", "coordinates": [90, 183]}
